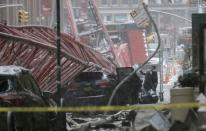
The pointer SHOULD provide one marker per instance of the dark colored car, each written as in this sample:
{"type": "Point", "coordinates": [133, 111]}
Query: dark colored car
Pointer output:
{"type": "Point", "coordinates": [19, 89]}
{"type": "Point", "coordinates": [95, 88]}
{"type": "Point", "coordinates": [89, 88]}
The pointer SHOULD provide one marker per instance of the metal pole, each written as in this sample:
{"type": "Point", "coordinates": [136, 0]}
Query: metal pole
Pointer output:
{"type": "Point", "coordinates": [161, 93]}
{"type": "Point", "coordinates": [161, 73]}
{"type": "Point", "coordinates": [7, 12]}
{"type": "Point", "coordinates": [167, 13]}
{"type": "Point", "coordinates": [58, 43]}
{"type": "Point", "coordinates": [61, 120]}
{"type": "Point", "coordinates": [53, 16]}
{"type": "Point", "coordinates": [12, 5]}
{"type": "Point", "coordinates": [161, 52]}
{"type": "Point", "coordinates": [141, 66]}
{"type": "Point", "coordinates": [204, 61]}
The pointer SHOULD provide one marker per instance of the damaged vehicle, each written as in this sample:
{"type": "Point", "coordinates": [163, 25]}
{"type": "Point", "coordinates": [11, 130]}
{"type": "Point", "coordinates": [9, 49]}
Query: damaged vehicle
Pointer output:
{"type": "Point", "coordinates": [89, 88]}
{"type": "Point", "coordinates": [19, 89]}
{"type": "Point", "coordinates": [95, 88]}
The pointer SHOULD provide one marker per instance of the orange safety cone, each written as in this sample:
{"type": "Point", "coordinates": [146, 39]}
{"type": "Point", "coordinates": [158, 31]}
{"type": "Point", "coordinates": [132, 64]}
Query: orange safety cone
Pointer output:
{"type": "Point", "coordinates": [174, 71]}
{"type": "Point", "coordinates": [169, 76]}
{"type": "Point", "coordinates": [166, 80]}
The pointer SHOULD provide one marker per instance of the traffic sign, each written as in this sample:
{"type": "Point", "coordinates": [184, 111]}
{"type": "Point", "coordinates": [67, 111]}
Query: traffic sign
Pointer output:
{"type": "Point", "coordinates": [140, 17]}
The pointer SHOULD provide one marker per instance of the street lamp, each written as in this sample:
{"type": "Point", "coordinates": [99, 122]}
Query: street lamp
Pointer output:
{"type": "Point", "coordinates": [171, 14]}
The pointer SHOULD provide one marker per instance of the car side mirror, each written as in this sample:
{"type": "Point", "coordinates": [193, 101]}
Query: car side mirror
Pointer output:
{"type": "Point", "coordinates": [47, 94]}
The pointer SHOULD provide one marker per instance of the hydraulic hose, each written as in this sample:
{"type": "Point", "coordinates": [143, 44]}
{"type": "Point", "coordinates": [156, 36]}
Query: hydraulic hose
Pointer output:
{"type": "Point", "coordinates": [140, 67]}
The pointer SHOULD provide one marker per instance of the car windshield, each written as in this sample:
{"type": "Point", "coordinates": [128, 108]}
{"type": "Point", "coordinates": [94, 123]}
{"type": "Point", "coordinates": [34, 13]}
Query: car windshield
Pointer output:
{"type": "Point", "coordinates": [4, 85]}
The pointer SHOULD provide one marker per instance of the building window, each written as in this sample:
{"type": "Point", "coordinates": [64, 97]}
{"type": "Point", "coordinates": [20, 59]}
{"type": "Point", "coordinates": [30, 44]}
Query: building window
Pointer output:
{"type": "Point", "coordinates": [177, 1]}
{"type": "Point", "coordinates": [165, 2]}
{"type": "Point", "coordinates": [109, 18]}
{"type": "Point", "coordinates": [76, 13]}
{"type": "Point", "coordinates": [114, 2]}
{"type": "Point", "coordinates": [125, 2]}
{"type": "Point", "coordinates": [154, 2]}
{"type": "Point", "coordinates": [104, 2]}
{"type": "Point", "coordinates": [134, 2]}
{"type": "Point", "coordinates": [106, 17]}
{"type": "Point", "coordinates": [75, 3]}
{"type": "Point", "coordinates": [120, 18]}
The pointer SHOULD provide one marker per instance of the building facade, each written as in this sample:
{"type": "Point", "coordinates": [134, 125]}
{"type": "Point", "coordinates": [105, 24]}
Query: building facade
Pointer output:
{"type": "Point", "coordinates": [42, 12]}
{"type": "Point", "coordinates": [10, 8]}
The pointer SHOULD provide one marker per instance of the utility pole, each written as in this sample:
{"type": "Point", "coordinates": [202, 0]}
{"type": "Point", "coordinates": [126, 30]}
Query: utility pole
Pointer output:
{"type": "Point", "coordinates": [7, 13]}
{"type": "Point", "coordinates": [61, 120]}
{"type": "Point", "coordinates": [58, 43]}
{"type": "Point", "coordinates": [161, 53]}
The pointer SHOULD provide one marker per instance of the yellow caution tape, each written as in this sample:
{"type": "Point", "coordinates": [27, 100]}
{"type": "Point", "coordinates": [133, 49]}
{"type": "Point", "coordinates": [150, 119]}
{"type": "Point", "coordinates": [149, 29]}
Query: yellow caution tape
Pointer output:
{"type": "Point", "coordinates": [103, 108]}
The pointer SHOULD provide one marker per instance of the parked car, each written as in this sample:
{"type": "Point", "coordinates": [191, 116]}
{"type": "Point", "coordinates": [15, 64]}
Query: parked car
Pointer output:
{"type": "Point", "coordinates": [19, 89]}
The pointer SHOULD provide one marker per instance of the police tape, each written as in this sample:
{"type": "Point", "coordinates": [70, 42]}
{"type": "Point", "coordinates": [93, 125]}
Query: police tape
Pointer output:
{"type": "Point", "coordinates": [104, 108]}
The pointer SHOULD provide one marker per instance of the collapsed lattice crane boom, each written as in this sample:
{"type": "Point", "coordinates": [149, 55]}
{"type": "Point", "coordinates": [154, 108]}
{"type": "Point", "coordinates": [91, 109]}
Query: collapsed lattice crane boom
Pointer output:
{"type": "Point", "coordinates": [34, 47]}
